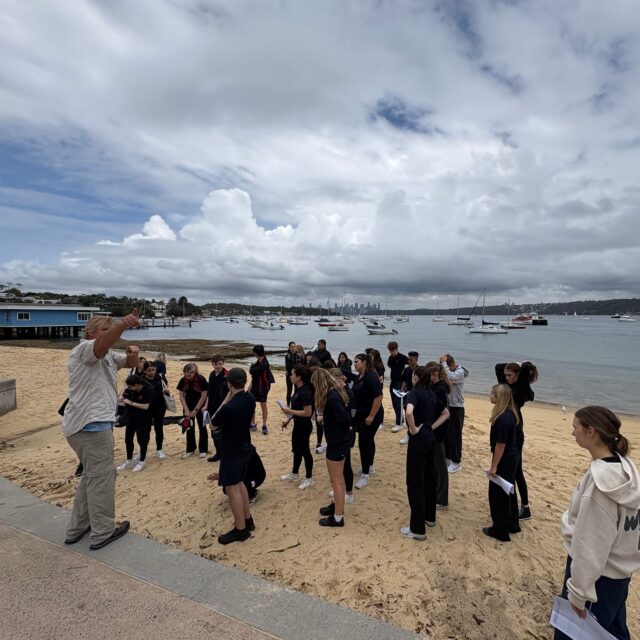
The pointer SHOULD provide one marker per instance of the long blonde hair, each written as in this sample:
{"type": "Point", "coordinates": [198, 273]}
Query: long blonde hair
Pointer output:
{"type": "Point", "coordinates": [504, 402]}
{"type": "Point", "coordinates": [323, 382]}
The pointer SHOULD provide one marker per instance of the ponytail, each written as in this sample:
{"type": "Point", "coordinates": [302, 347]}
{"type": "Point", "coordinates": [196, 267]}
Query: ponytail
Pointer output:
{"type": "Point", "coordinates": [607, 425]}
{"type": "Point", "coordinates": [367, 359]}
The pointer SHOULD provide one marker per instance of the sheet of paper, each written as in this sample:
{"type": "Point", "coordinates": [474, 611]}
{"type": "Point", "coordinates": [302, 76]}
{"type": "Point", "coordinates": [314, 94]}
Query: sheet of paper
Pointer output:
{"type": "Point", "coordinates": [399, 394]}
{"type": "Point", "coordinates": [564, 618]}
{"type": "Point", "coordinates": [501, 482]}
{"type": "Point", "coordinates": [281, 404]}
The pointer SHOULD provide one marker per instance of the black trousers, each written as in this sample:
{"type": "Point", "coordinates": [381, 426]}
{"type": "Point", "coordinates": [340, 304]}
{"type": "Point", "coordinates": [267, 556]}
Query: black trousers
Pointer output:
{"type": "Point", "coordinates": [347, 470]}
{"type": "Point", "coordinates": [396, 402]}
{"type": "Point", "coordinates": [300, 447]}
{"type": "Point", "coordinates": [610, 609]}
{"type": "Point", "coordinates": [503, 516]}
{"type": "Point", "coordinates": [319, 431]}
{"type": "Point", "coordinates": [521, 482]}
{"type": "Point", "coordinates": [156, 420]}
{"type": "Point", "coordinates": [366, 439]}
{"type": "Point", "coordinates": [289, 386]}
{"type": "Point", "coordinates": [453, 442]}
{"type": "Point", "coordinates": [421, 480]}
{"type": "Point", "coordinates": [442, 474]}
{"type": "Point", "coordinates": [203, 436]}
{"type": "Point", "coordinates": [141, 431]}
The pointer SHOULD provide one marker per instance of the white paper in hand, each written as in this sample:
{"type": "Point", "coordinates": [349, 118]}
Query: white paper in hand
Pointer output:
{"type": "Point", "coordinates": [281, 404]}
{"type": "Point", "coordinates": [399, 394]}
{"type": "Point", "coordinates": [565, 619]}
{"type": "Point", "coordinates": [501, 482]}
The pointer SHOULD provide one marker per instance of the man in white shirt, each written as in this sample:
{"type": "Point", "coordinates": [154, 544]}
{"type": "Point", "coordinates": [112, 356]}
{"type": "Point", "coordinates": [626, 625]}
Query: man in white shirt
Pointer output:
{"type": "Point", "coordinates": [88, 426]}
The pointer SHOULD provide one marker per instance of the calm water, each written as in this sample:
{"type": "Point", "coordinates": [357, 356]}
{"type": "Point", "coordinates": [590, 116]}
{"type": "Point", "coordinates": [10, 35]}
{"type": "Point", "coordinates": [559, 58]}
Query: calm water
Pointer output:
{"type": "Point", "coordinates": [594, 361]}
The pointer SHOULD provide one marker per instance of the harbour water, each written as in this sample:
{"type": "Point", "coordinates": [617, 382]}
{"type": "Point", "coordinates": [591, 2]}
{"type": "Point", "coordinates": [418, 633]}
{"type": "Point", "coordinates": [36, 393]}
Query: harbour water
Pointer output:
{"type": "Point", "coordinates": [594, 361]}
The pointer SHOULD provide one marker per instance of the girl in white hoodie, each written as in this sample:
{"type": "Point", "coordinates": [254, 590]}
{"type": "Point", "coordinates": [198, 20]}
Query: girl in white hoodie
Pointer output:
{"type": "Point", "coordinates": [601, 528]}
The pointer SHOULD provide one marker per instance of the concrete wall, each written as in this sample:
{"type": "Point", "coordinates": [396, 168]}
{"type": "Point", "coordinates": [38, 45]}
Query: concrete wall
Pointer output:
{"type": "Point", "coordinates": [7, 395]}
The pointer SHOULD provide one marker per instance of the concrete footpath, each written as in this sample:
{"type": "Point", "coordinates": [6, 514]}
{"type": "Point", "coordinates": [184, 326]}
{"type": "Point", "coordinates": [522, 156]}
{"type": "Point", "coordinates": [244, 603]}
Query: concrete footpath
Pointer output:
{"type": "Point", "coordinates": [138, 588]}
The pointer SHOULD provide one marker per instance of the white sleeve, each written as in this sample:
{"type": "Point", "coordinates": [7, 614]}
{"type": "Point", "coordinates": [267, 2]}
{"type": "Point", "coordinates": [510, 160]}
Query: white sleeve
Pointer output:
{"type": "Point", "coordinates": [84, 352]}
{"type": "Point", "coordinates": [120, 359]}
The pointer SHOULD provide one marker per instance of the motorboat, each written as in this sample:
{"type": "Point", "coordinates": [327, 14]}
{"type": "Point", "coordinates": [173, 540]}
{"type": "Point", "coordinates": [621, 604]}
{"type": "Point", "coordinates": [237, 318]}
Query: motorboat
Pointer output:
{"type": "Point", "coordinates": [401, 319]}
{"type": "Point", "coordinates": [531, 318]}
{"type": "Point", "coordinates": [382, 332]}
{"type": "Point", "coordinates": [616, 316]}
{"type": "Point", "coordinates": [438, 319]}
{"type": "Point", "coordinates": [322, 320]}
{"type": "Point", "coordinates": [488, 329]}
{"type": "Point", "coordinates": [512, 325]}
{"type": "Point", "coordinates": [626, 318]}
{"type": "Point", "coordinates": [298, 321]}
{"type": "Point", "coordinates": [374, 324]}
{"type": "Point", "coordinates": [328, 323]}
{"type": "Point", "coordinates": [461, 322]}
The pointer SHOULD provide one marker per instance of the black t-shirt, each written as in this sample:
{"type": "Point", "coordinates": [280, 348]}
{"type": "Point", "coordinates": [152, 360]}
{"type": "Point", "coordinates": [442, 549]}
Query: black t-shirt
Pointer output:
{"type": "Point", "coordinates": [441, 392]}
{"type": "Point", "coordinates": [503, 430]}
{"type": "Point", "coordinates": [365, 391]}
{"type": "Point", "coordinates": [261, 376]}
{"type": "Point", "coordinates": [396, 366]}
{"type": "Point", "coordinates": [426, 406]}
{"type": "Point", "coordinates": [217, 390]}
{"type": "Point", "coordinates": [337, 419]}
{"type": "Point", "coordinates": [157, 404]}
{"type": "Point", "coordinates": [234, 422]}
{"type": "Point", "coordinates": [136, 415]}
{"type": "Point", "coordinates": [192, 389]}
{"type": "Point", "coordinates": [303, 397]}
{"type": "Point", "coordinates": [380, 371]}
{"type": "Point", "coordinates": [322, 355]}
{"type": "Point", "coordinates": [407, 378]}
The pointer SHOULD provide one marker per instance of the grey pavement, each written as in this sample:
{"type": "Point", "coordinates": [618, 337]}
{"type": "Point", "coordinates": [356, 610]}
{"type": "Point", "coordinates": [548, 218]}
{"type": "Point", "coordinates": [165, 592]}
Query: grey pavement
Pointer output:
{"type": "Point", "coordinates": [139, 588]}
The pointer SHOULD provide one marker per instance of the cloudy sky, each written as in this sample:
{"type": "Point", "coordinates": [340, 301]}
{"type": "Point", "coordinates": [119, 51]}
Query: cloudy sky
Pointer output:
{"type": "Point", "coordinates": [293, 150]}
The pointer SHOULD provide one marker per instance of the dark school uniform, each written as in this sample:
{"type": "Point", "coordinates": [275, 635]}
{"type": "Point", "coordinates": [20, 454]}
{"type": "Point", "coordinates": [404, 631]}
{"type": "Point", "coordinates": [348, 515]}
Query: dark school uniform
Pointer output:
{"type": "Point", "coordinates": [337, 426]}
{"type": "Point", "coordinates": [302, 427]}
{"type": "Point", "coordinates": [365, 390]}
{"type": "Point", "coordinates": [323, 355]}
{"type": "Point", "coordinates": [261, 379]}
{"type": "Point", "coordinates": [440, 460]}
{"type": "Point", "coordinates": [234, 422]}
{"type": "Point", "coordinates": [157, 410]}
{"type": "Point", "coordinates": [291, 360]}
{"type": "Point", "coordinates": [137, 420]}
{"type": "Point", "coordinates": [503, 507]}
{"type": "Point", "coordinates": [192, 390]}
{"type": "Point", "coordinates": [407, 378]}
{"type": "Point", "coordinates": [396, 366]}
{"type": "Point", "coordinates": [421, 477]}
{"type": "Point", "coordinates": [345, 367]}
{"type": "Point", "coordinates": [216, 392]}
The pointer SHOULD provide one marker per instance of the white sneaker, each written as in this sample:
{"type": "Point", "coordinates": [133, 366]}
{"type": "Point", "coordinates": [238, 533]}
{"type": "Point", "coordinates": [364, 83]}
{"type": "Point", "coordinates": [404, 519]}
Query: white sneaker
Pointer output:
{"type": "Point", "coordinates": [407, 533]}
{"type": "Point", "coordinates": [161, 455]}
{"type": "Point", "coordinates": [381, 427]}
{"type": "Point", "coordinates": [372, 471]}
{"type": "Point", "coordinates": [363, 482]}
{"type": "Point", "coordinates": [321, 449]}
{"type": "Point", "coordinates": [405, 440]}
{"type": "Point", "coordinates": [331, 494]}
{"type": "Point", "coordinates": [139, 466]}
{"type": "Point", "coordinates": [136, 457]}
{"type": "Point", "coordinates": [348, 499]}
{"type": "Point", "coordinates": [454, 468]}
{"type": "Point", "coordinates": [396, 428]}
{"type": "Point", "coordinates": [203, 455]}
{"type": "Point", "coordinates": [184, 456]}
{"type": "Point", "coordinates": [127, 464]}
{"type": "Point", "coordinates": [291, 477]}
{"type": "Point", "coordinates": [448, 461]}
{"type": "Point", "coordinates": [430, 524]}
{"type": "Point", "coordinates": [307, 482]}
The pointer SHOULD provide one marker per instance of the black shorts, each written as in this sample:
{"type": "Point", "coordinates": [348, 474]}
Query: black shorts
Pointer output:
{"type": "Point", "coordinates": [338, 452]}
{"type": "Point", "coordinates": [233, 470]}
{"type": "Point", "coordinates": [260, 397]}
{"type": "Point", "coordinates": [300, 437]}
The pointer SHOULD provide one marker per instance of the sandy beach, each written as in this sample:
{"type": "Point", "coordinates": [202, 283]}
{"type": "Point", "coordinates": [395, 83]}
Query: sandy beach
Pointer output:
{"type": "Point", "coordinates": [459, 584]}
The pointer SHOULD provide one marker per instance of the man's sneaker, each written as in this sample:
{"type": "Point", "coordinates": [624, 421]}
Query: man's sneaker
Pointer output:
{"type": "Point", "coordinates": [213, 458]}
{"type": "Point", "coordinates": [321, 448]}
{"type": "Point", "coordinates": [265, 430]}
{"type": "Point", "coordinates": [76, 538]}
{"type": "Point", "coordinates": [161, 455]}
{"type": "Point", "coordinates": [291, 477]}
{"type": "Point", "coordinates": [127, 464]}
{"type": "Point", "coordinates": [429, 523]}
{"type": "Point", "coordinates": [396, 428]}
{"type": "Point", "coordinates": [253, 427]}
{"type": "Point", "coordinates": [330, 521]}
{"type": "Point", "coordinates": [405, 440]}
{"type": "Point", "coordinates": [407, 533]}
{"type": "Point", "coordinates": [525, 513]}
{"type": "Point", "coordinates": [307, 482]}
{"type": "Point", "coordinates": [454, 467]}
{"type": "Point", "coordinates": [139, 466]}
{"type": "Point", "coordinates": [188, 454]}
{"type": "Point", "coordinates": [253, 499]}
{"type": "Point", "coordinates": [235, 535]}
{"type": "Point", "coordinates": [363, 482]}
{"type": "Point", "coordinates": [118, 532]}
{"type": "Point", "coordinates": [441, 507]}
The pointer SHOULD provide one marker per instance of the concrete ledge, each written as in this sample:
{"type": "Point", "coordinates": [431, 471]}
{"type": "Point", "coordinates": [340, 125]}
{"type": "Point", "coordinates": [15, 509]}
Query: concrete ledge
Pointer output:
{"type": "Point", "coordinates": [269, 607]}
{"type": "Point", "coordinates": [7, 395]}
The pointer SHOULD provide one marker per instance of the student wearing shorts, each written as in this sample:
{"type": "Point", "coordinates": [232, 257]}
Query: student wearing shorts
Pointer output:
{"type": "Point", "coordinates": [233, 420]}
{"type": "Point", "coordinates": [261, 381]}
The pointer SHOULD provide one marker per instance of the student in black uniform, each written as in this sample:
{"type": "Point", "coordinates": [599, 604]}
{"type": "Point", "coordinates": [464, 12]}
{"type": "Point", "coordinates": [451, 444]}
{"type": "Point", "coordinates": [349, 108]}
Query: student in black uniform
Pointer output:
{"type": "Point", "coordinates": [161, 365]}
{"type": "Point", "coordinates": [441, 386]}
{"type": "Point", "coordinates": [397, 362]}
{"type": "Point", "coordinates": [157, 408]}
{"type": "Point", "coordinates": [345, 364]}
{"type": "Point", "coordinates": [193, 398]}
{"type": "Point", "coordinates": [137, 397]}
{"type": "Point", "coordinates": [301, 411]}
{"type": "Point", "coordinates": [341, 379]}
{"type": "Point", "coordinates": [332, 406]}
{"type": "Point", "coordinates": [407, 377]}
{"type": "Point", "coordinates": [233, 419]}
{"type": "Point", "coordinates": [425, 414]}
{"type": "Point", "coordinates": [367, 402]}
{"type": "Point", "coordinates": [519, 377]}
{"type": "Point", "coordinates": [378, 367]}
{"type": "Point", "coordinates": [291, 359]}
{"type": "Point", "coordinates": [216, 393]}
{"type": "Point", "coordinates": [261, 381]}
{"type": "Point", "coordinates": [504, 462]}
{"type": "Point", "coordinates": [321, 352]}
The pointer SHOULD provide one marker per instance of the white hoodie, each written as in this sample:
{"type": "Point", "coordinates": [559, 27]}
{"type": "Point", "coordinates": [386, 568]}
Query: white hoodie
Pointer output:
{"type": "Point", "coordinates": [601, 528]}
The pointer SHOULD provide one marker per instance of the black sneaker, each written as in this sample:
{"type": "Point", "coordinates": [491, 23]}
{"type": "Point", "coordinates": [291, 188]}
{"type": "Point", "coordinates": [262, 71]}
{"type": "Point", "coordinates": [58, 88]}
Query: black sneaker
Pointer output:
{"type": "Point", "coordinates": [249, 524]}
{"type": "Point", "coordinates": [213, 458]}
{"type": "Point", "coordinates": [79, 470]}
{"type": "Point", "coordinates": [525, 513]}
{"type": "Point", "coordinates": [74, 539]}
{"type": "Point", "coordinates": [118, 532]}
{"type": "Point", "coordinates": [331, 522]}
{"type": "Point", "coordinates": [235, 535]}
{"type": "Point", "coordinates": [254, 498]}
{"type": "Point", "coordinates": [514, 529]}
{"type": "Point", "coordinates": [329, 510]}
{"type": "Point", "coordinates": [488, 531]}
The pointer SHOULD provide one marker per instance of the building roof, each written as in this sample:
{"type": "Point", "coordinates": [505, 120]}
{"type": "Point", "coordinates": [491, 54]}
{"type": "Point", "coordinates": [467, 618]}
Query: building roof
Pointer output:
{"type": "Point", "coordinates": [41, 307]}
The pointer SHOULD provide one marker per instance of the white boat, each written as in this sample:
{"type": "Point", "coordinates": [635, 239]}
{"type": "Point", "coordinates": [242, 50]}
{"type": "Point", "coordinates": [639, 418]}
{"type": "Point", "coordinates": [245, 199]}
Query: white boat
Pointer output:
{"type": "Point", "coordinates": [401, 319]}
{"type": "Point", "coordinates": [382, 332]}
{"type": "Point", "coordinates": [346, 320]}
{"type": "Point", "coordinates": [438, 319]}
{"type": "Point", "coordinates": [626, 318]}
{"type": "Point", "coordinates": [257, 324]}
{"type": "Point", "coordinates": [531, 318]}
{"type": "Point", "coordinates": [273, 327]}
{"type": "Point", "coordinates": [298, 321]}
{"type": "Point", "coordinates": [462, 321]}
{"type": "Point", "coordinates": [487, 328]}
{"type": "Point", "coordinates": [374, 324]}
{"type": "Point", "coordinates": [512, 325]}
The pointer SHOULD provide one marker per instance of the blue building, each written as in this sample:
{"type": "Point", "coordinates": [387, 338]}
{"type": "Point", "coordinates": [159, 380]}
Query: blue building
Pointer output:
{"type": "Point", "coordinates": [26, 320]}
